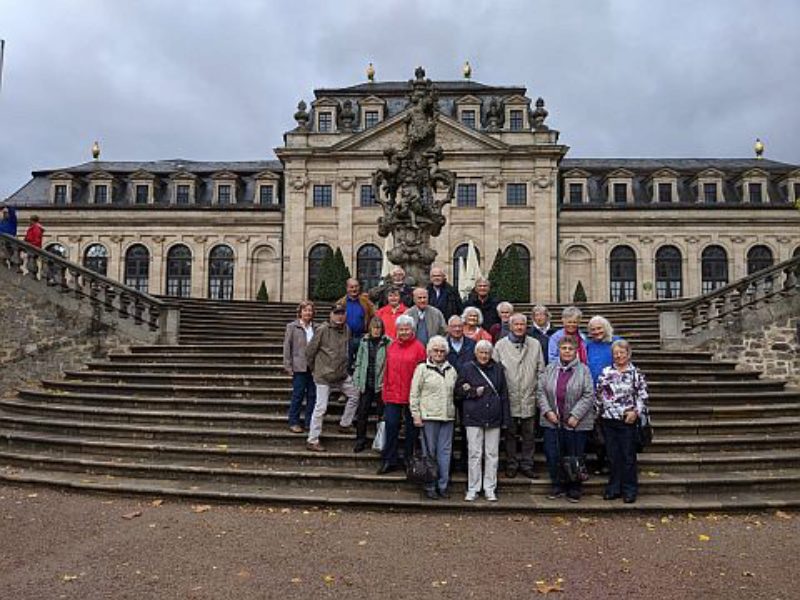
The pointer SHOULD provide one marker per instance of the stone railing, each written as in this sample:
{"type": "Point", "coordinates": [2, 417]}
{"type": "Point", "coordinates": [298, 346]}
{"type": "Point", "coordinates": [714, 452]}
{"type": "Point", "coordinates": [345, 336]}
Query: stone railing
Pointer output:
{"type": "Point", "coordinates": [699, 319]}
{"type": "Point", "coordinates": [78, 288]}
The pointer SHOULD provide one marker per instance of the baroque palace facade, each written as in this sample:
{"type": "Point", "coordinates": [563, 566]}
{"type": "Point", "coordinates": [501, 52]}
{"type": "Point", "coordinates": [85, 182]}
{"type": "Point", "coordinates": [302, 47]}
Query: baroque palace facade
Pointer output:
{"type": "Point", "coordinates": [627, 229]}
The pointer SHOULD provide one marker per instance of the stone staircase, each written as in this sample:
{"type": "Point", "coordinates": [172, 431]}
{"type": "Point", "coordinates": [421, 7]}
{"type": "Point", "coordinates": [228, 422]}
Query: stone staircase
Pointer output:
{"type": "Point", "coordinates": [206, 419]}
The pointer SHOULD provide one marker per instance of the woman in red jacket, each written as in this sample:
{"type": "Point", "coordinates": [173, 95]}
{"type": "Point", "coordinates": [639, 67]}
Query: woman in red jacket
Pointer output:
{"type": "Point", "coordinates": [402, 357]}
{"type": "Point", "coordinates": [35, 233]}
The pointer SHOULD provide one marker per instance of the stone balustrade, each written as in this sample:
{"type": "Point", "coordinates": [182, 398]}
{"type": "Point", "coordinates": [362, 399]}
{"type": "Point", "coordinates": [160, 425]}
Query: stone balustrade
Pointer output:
{"type": "Point", "coordinates": [766, 292]}
{"type": "Point", "coordinates": [67, 283]}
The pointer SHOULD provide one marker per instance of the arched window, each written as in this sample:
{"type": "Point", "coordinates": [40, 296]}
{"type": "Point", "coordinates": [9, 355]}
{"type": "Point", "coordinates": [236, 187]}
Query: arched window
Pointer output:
{"type": "Point", "coordinates": [758, 258]}
{"type": "Point", "coordinates": [623, 274]}
{"type": "Point", "coordinates": [315, 257]}
{"type": "Point", "coordinates": [714, 268]}
{"type": "Point", "coordinates": [95, 258]}
{"type": "Point", "coordinates": [137, 268]}
{"type": "Point", "coordinates": [57, 249]}
{"type": "Point", "coordinates": [368, 266]}
{"type": "Point", "coordinates": [669, 273]}
{"type": "Point", "coordinates": [220, 273]}
{"type": "Point", "coordinates": [524, 258]}
{"type": "Point", "coordinates": [461, 252]}
{"type": "Point", "coordinates": [179, 271]}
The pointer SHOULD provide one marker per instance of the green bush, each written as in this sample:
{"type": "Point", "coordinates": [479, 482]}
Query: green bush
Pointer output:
{"type": "Point", "coordinates": [333, 275]}
{"type": "Point", "coordinates": [262, 295]}
{"type": "Point", "coordinates": [580, 293]}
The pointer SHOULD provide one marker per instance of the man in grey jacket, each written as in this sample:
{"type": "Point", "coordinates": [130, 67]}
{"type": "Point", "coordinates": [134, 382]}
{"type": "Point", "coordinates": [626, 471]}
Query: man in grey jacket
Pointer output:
{"type": "Point", "coordinates": [327, 356]}
{"type": "Point", "coordinates": [521, 356]}
{"type": "Point", "coordinates": [428, 320]}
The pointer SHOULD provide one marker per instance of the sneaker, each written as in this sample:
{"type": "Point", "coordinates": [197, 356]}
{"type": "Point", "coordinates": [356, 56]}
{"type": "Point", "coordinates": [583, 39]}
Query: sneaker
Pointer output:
{"type": "Point", "coordinates": [491, 497]}
{"type": "Point", "coordinates": [470, 497]}
{"type": "Point", "coordinates": [431, 495]}
{"type": "Point", "coordinates": [555, 495]}
{"type": "Point", "coordinates": [529, 473]}
{"type": "Point", "coordinates": [314, 447]}
{"type": "Point", "coordinates": [295, 429]}
{"type": "Point", "coordinates": [345, 429]}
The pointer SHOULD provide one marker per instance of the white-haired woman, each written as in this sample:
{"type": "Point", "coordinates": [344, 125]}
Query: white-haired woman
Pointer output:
{"type": "Point", "coordinates": [571, 320]}
{"type": "Point", "coordinates": [500, 330]}
{"type": "Point", "coordinates": [541, 329]}
{"type": "Point", "coordinates": [432, 408]}
{"type": "Point", "coordinates": [598, 346]}
{"type": "Point", "coordinates": [481, 388]}
{"type": "Point", "coordinates": [473, 319]}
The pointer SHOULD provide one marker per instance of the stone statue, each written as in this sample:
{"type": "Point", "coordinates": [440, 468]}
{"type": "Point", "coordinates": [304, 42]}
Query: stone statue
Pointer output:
{"type": "Point", "coordinates": [301, 116]}
{"type": "Point", "coordinates": [494, 116]}
{"type": "Point", "coordinates": [406, 188]}
{"type": "Point", "coordinates": [347, 117]}
{"type": "Point", "coordinates": [539, 115]}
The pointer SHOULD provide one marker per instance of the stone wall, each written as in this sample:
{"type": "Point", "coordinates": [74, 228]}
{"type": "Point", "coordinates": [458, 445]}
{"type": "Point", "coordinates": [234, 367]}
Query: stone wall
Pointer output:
{"type": "Point", "coordinates": [41, 339]}
{"type": "Point", "coordinates": [773, 349]}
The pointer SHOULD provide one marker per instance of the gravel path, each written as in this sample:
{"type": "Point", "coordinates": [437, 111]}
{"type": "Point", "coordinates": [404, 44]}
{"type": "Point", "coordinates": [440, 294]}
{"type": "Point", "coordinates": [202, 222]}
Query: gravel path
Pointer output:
{"type": "Point", "coordinates": [56, 544]}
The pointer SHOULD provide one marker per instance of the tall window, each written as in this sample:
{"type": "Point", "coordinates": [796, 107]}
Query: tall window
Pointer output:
{"type": "Point", "coordinates": [620, 193]}
{"type": "Point", "coordinates": [266, 195]}
{"type": "Point", "coordinates": [137, 268]}
{"type": "Point", "coordinates": [316, 255]}
{"type": "Point", "coordinates": [516, 194]}
{"type": "Point", "coordinates": [576, 193]}
{"type": "Point", "coordinates": [755, 192]}
{"type": "Point", "coordinates": [797, 192]}
{"type": "Point", "coordinates": [665, 192]}
{"type": "Point", "coordinates": [325, 122]}
{"type": "Point", "coordinates": [60, 194]}
{"type": "Point", "coordinates": [710, 193]}
{"type": "Point", "coordinates": [95, 258]}
{"type": "Point", "coordinates": [224, 194]}
{"type": "Point", "coordinates": [467, 194]}
{"type": "Point", "coordinates": [323, 195]}
{"type": "Point", "coordinates": [515, 120]}
{"type": "Point", "coordinates": [623, 274]}
{"type": "Point", "coordinates": [142, 194]}
{"type": "Point", "coordinates": [220, 273]}
{"type": "Point", "coordinates": [57, 249]}
{"type": "Point", "coordinates": [179, 271]}
{"type": "Point", "coordinates": [524, 258]}
{"type": "Point", "coordinates": [366, 197]}
{"type": "Point", "coordinates": [461, 252]}
{"type": "Point", "coordinates": [714, 268]}
{"type": "Point", "coordinates": [758, 258]}
{"type": "Point", "coordinates": [371, 118]}
{"type": "Point", "coordinates": [669, 273]}
{"type": "Point", "coordinates": [468, 118]}
{"type": "Point", "coordinates": [182, 194]}
{"type": "Point", "coordinates": [368, 266]}
{"type": "Point", "coordinates": [101, 194]}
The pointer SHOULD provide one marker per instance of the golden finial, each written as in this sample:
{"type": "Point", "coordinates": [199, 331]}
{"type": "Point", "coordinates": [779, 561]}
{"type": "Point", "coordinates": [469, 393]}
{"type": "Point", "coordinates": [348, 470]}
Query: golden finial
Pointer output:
{"type": "Point", "coordinates": [759, 148]}
{"type": "Point", "coordinates": [370, 73]}
{"type": "Point", "coordinates": [96, 150]}
{"type": "Point", "coordinates": [467, 70]}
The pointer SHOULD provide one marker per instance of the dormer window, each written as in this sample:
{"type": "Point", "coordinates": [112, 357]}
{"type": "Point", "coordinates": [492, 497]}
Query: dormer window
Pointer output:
{"type": "Point", "coordinates": [60, 194]}
{"type": "Point", "coordinates": [576, 194]}
{"type": "Point", "coordinates": [516, 120]}
{"type": "Point", "coordinates": [371, 118]}
{"type": "Point", "coordinates": [325, 122]}
{"type": "Point", "coordinates": [755, 192]}
{"type": "Point", "coordinates": [100, 194]}
{"type": "Point", "coordinates": [372, 111]}
{"type": "Point", "coordinates": [665, 192]}
{"type": "Point", "coordinates": [468, 118]}
{"type": "Point", "coordinates": [224, 194]}
{"type": "Point", "coordinates": [575, 187]}
{"type": "Point", "coordinates": [710, 192]}
{"type": "Point", "coordinates": [182, 197]}
{"type": "Point", "coordinates": [141, 194]}
{"type": "Point", "coordinates": [266, 194]}
{"type": "Point", "coordinates": [664, 186]}
{"type": "Point", "coordinates": [141, 188]}
{"type": "Point", "coordinates": [620, 193]}
{"type": "Point", "coordinates": [182, 186]}
{"type": "Point", "coordinates": [619, 187]}
{"type": "Point", "coordinates": [707, 186]}
{"type": "Point", "coordinates": [225, 188]}
{"type": "Point", "coordinates": [754, 186]}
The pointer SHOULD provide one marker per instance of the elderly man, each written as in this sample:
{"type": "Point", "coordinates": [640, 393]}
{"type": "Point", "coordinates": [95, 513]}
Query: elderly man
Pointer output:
{"type": "Point", "coordinates": [359, 313]}
{"type": "Point", "coordinates": [521, 356]}
{"type": "Point", "coordinates": [428, 321]}
{"type": "Point", "coordinates": [501, 329]}
{"type": "Point", "coordinates": [327, 359]}
{"type": "Point", "coordinates": [397, 279]}
{"type": "Point", "coordinates": [481, 298]}
{"type": "Point", "coordinates": [461, 350]}
{"type": "Point", "coordinates": [442, 295]}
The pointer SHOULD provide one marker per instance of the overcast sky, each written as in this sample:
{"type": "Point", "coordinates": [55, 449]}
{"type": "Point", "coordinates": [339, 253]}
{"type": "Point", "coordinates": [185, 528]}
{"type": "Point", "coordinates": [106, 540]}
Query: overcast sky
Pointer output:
{"type": "Point", "coordinates": [220, 80]}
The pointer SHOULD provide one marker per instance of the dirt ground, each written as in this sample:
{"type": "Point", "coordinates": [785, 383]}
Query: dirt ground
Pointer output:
{"type": "Point", "coordinates": [56, 544]}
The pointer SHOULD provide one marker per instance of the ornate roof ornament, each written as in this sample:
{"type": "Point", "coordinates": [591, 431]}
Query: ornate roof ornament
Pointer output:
{"type": "Point", "coordinates": [759, 149]}
{"type": "Point", "coordinates": [370, 73]}
{"type": "Point", "coordinates": [539, 115]}
{"type": "Point", "coordinates": [96, 150]}
{"type": "Point", "coordinates": [347, 117]}
{"type": "Point", "coordinates": [301, 116]}
{"type": "Point", "coordinates": [467, 70]}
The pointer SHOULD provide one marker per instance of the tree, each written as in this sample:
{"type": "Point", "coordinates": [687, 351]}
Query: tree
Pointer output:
{"type": "Point", "coordinates": [262, 295]}
{"type": "Point", "coordinates": [580, 293]}
{"type": "Point", "coordinates": [333, 275]}
{"type": "Point", "coordinates": [496, 273]}
{"type": "Point", "coordinates": [514, 277]}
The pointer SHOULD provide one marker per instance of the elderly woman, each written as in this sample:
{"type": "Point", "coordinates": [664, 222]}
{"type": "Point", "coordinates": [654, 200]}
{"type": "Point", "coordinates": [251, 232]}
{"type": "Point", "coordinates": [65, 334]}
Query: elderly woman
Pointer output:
{"type": "Point", "coordinates": [571, 320]}
{"type": "Point", "coordinates": [481, 388]}
{"type": "Point", "coordinates": [598, 345]}
{"type": "Point", "coordinates": [621, 401]}
{"type": "Point", "coordinates": [298, 334]}
{"type": "Point", "coordinates": [500, 330]}
{"type": "Point", "coordinates": [432, 408]}
{"type": "Point", "coordinates": [541, 329]}
{"type": "Point", "coordinates": [402, 357]}
{"type": "Point", "coordinates": [473, 319]}
{"type": "Point", "coordinates": [368, 377]}
{"type": "Point", "coordinates": [565, 397]}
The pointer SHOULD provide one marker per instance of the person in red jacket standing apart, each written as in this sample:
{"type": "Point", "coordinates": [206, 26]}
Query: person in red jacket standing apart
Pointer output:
{"type": "Point", "coordinates": [35, 232]}
{"type": "Point", "coordinates": [402, 357]}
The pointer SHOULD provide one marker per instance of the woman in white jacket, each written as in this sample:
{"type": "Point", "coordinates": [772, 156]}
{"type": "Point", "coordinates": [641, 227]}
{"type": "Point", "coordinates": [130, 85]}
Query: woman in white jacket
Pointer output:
{"type": "Point", "coordinates": [432, 408]}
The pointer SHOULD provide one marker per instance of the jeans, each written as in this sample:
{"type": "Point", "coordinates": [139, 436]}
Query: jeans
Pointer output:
{"type": "Point", "coordinates": [482, 442]}
{"type": "Point", "coordinates": [439, 444]}
{"type": "Point", "coordinates": [368, 397]}
{"type": "Point", "coordinates": [393, 414]}
{"type": "Point", "coordinates": [572, 443]}
{"type": "Point", "coordinates": [520, 443]}
{"type": "Point", "coordinates": [302, 387]}
{"type": "Point", "coordinates": [321, 406]}
{"type": "Point", "coordinates": [621, 450]}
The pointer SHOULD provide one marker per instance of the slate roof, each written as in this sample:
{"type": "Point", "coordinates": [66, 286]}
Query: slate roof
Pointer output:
{"type": "Point", "coordinates": [173, 165]}
{"type": "Point", "coordinates": [401, 88]}
{"type": "Point", "coordinates": [677, 164]}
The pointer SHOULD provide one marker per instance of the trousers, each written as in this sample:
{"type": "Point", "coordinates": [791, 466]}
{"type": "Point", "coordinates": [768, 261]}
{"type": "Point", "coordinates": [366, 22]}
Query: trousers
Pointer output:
{"type": "Point", "coordinates": [482, 443]}
{"type": "Point", "coordinates": [321, 407]}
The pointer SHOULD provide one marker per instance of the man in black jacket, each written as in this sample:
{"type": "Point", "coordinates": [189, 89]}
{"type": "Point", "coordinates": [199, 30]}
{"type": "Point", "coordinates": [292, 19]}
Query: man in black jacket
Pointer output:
{"type": "Point", "coordinates": [482, 299]}
{"type": "Point", "coordinates": [442, 295]}
{"type": "Point", "coordinates": [460, 351]}
{"type": "Point", "coordinates": [541, 330]}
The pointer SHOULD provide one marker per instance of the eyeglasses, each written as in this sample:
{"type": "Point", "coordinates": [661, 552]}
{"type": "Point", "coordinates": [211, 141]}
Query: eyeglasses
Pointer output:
{"type": "Point", "coordinates": [437, 350]}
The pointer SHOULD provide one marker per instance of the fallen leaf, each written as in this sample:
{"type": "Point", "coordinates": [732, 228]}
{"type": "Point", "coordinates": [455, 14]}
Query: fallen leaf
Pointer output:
{"type": "Point", "coordinates": [69, 577]}
{"type": "Point", "coordinates": [201, 508]}
{"type": "Point", "coordinates": [157, 502]}
{"type": "Point", "coordinates": [690, 516]}
{"type": "Point", "coordinates": [782, 515]}
{"type": "Point", "coordinates": [132, 515]}
{"type": "Point", "coordinates": [286, 510]}
{"type": "Point", "coordinates": [703, 537]}
{"type": "Point", "coordinates": [665, 520]}
{"type": "Point", "coordinates": [747, 574]}
{"type": "Point", "coordinates": [296, 580]}
{"type": "Point", "coordinates": [244, 574]}
{"type": "Point", "coordinates": [650, 526]}
{"type": "Point", "coordinates": [546, 588]}
{"type": "Point", "coordinates": [652, 473]}
{"type": "Point", "coordinates": [329, 579]}
{"type": "Point", "coordinates": [222, 446]}
{"type": "Point", "coordinates": [33, 495]}
{"type": "Point", "coordinates": [362, 543]}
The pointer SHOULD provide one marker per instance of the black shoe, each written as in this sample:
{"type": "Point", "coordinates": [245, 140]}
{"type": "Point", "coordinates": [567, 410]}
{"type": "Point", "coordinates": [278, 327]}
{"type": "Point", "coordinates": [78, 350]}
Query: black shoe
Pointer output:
{"type": "Point", "coordinates": [360, 446]}
{"type": "Point", "coordinates": [608, 496]}
{"type": "Point", "coordinates": [529, 473]}
{"type": "Point", "coordinates": [386, 468]}
{"type": "Point", "coordinates": [511, 471]}
{"type": "Point", "coordinates": [431, 495]}
{"type": "Point", "coordinates": [574, 498]}
{"type": "Point", "coordinates": [629, 499]}
{"type": "Point", "coordinates": [444, 495]}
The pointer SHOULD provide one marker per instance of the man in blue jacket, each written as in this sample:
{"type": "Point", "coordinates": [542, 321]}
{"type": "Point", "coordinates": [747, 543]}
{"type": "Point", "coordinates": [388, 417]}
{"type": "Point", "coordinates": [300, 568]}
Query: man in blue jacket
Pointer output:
{"type": "Point", "coordinates": [8, 224]}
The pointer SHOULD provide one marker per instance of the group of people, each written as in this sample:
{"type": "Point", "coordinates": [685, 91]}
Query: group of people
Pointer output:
{"type": "Point", "coordinates": [34, 235]}
{"type": "Point", "coordinates": [471, 374]}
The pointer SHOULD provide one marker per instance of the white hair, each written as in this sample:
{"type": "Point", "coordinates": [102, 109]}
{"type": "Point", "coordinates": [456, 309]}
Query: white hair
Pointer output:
{"type": "Point", "coordinates": [436, 341]}
{"type": "Point", "coordinates": [505, 306]}
{"type": "Point", "coordinates": [607, 328]}
{"type": "Point", "coordinates": [571, 312]}
{"type": "Point", "coordinates": [455, 318]}
{"type": "Point", "coordinates": [624, 344]}
{"type": "Point", "coordinates": [541, 308]}
{"type": "Point", "coordinates": [403, 320]}
{"type": "Point", "coordinates": [483, 345]}
{"type": "Point", "coordinates": [473, 309]}
{"type": "Point", "coordinates": [517, 317]}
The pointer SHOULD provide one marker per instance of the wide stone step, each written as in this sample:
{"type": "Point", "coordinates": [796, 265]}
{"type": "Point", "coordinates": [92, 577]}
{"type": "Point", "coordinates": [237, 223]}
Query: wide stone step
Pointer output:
{"type": "Point", "coordinates": [710, 427]}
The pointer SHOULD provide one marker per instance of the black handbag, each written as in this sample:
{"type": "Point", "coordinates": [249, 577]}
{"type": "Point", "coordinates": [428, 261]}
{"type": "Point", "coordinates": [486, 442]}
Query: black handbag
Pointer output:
{"type": "Point", "coordinates": [573, 467]}
{"type": "Point", "coordinates": [422, 468]}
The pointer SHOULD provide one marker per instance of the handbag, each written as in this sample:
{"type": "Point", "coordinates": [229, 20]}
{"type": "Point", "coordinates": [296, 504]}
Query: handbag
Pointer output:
{"type": "Point", "coordinates": [380, 437]}
{"type": "Point", "coordinates": [421, 467]}
{"type": "Point", "coordinates": [644, 427]}
{"type": "Point", "coordinates": [573, 466]}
